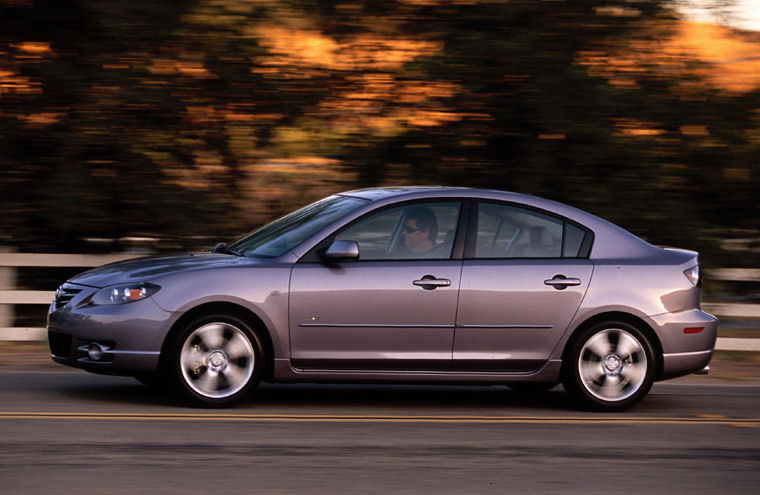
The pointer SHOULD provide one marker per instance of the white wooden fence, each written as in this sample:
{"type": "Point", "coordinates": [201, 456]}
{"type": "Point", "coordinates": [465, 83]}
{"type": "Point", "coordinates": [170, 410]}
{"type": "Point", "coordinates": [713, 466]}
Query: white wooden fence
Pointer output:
{"type": "Point", "coordinates": [10, 296]}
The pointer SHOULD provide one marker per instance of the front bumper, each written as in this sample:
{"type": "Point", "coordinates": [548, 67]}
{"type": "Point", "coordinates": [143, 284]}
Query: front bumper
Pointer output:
{"type": "Point", "coordinates": [131, 334]}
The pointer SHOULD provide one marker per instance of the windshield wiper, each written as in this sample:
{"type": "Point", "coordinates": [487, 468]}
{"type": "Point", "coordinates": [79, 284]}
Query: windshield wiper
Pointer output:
{"type": "Point", "coordinates": [224, 249]}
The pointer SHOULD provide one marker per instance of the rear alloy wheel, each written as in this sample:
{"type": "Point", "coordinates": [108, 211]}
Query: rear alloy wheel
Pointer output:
{"type": "Point", "coordinates": [216, 361]}
{"type": "Point", "coordinates": [610, 367]}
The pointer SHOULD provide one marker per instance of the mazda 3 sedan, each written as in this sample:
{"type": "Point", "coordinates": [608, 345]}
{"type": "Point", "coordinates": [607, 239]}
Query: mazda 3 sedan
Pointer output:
{"type": "Point", "coordinates": [409, 284]}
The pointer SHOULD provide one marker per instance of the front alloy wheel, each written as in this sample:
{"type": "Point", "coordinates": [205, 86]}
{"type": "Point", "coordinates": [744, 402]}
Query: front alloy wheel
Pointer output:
{"type": "Point", "coordinates": [216, 361]}
{"type": "Point", "coordinates": [610, 367]}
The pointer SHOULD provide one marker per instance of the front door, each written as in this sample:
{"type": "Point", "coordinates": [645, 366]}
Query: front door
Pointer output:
{"type": "Point", "coordinates": [394, 308]}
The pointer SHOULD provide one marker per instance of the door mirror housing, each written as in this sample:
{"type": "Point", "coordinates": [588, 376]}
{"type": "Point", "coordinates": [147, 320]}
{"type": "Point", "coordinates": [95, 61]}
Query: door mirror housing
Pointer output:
{"type": "Point", "coordinates": [342, 251]}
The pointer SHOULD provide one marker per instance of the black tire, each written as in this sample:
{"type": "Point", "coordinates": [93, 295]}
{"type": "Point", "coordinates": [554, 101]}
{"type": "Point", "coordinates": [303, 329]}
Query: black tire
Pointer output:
{"type": "Point", "coordinates": [609, 367]}
{"type": "Point", "coordinates": [215, 361]}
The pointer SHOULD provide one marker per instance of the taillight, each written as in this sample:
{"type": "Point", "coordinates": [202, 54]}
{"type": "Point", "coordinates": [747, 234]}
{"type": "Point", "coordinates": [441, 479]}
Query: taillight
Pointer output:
{"type": "Point", "coordinates": [693, 274]}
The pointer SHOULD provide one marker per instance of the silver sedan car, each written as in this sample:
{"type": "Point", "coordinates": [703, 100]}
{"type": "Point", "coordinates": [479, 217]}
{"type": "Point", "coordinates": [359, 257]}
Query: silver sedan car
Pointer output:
{"type": "Point", "coordinates": [409, 284]}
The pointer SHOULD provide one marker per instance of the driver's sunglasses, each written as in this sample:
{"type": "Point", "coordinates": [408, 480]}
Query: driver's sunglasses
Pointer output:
{"type": "Point", "coordinates": [411, 230]}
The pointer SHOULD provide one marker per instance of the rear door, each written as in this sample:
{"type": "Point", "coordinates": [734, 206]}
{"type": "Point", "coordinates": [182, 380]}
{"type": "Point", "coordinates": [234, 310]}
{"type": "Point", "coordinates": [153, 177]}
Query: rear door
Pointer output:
{"type": "Point", "coordinates": [523, 280]}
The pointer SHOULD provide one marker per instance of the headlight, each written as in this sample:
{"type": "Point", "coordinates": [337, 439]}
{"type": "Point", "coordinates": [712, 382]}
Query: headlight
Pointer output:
{"type": "Point", "coordinates": [693, 274]}
{"type": "Point", "coordinates": [123, 294]}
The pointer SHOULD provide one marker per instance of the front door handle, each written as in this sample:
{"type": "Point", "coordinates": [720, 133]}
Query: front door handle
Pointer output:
{"type": "Point", "coordinates": [560, 282]}
{"type": "Point", "coordinates": [429, 282]}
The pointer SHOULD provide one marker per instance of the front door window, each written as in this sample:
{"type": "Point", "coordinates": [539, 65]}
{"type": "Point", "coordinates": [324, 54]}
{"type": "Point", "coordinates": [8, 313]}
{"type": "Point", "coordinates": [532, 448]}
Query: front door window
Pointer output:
{"type": "Point", "coordinates": [416, 231]}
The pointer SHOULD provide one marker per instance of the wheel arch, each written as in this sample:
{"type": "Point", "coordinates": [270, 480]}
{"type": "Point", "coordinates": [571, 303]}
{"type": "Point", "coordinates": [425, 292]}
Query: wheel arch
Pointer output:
{"type": "Point", "coordinates": [233, 310]}
{"type": "Point", "coordinates": [633, 320]}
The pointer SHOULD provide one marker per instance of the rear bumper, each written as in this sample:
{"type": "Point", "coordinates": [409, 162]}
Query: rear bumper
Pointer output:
{"type": "Point", "coordinates": [685, 363]}
{"type": "Point", "coordinates": [687, 339]}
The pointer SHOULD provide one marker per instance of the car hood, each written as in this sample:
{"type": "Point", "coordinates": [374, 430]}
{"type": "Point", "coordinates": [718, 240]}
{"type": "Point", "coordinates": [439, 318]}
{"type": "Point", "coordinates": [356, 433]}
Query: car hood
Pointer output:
{"type": "Point", "coordinates": [151, 268]}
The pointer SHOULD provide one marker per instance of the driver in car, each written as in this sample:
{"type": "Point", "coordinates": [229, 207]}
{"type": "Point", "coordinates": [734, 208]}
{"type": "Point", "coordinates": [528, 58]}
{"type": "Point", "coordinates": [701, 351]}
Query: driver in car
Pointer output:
{"type": "Point", "coordinates": [420, 231]}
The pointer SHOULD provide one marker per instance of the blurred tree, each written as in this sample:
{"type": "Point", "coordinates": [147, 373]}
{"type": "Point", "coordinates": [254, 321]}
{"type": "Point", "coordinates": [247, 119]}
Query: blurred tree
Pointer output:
{"type": "Point", "coordinates": [207, 117]}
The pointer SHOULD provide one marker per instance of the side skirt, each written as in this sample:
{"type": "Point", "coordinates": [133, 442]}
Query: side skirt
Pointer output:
{"type": "Point", "coordinates": [285, 372]}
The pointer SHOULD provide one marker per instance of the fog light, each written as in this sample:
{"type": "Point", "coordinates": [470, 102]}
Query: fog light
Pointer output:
{"type": "Point", "coordinates": [96, 351]}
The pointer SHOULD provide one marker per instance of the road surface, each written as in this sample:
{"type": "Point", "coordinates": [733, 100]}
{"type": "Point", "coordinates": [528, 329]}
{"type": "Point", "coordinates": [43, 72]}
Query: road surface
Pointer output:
{"type": "Point", "coordinates": [66, 431]}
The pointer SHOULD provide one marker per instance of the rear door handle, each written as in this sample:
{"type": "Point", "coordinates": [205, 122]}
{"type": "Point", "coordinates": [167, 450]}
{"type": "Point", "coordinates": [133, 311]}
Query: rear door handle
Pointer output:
{"type": "Point", "coordinates": [429, 282]}
{"type": "Point", "coordinates": [560, 282]}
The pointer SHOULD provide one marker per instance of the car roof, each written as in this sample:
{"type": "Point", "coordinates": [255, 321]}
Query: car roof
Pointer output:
{"type": "Point", "coordinates": [400, 193]}
{"type": "Point", "coordinates": [376, 193]}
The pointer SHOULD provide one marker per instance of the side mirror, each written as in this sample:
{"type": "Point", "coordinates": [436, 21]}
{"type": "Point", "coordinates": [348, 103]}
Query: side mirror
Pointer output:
{"type": "Point", "coordinates": [342, 251]}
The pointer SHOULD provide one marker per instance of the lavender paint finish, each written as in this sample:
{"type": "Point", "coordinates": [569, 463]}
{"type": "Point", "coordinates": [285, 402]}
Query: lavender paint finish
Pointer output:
{"type": "Point", "coordinates": [426, 284]}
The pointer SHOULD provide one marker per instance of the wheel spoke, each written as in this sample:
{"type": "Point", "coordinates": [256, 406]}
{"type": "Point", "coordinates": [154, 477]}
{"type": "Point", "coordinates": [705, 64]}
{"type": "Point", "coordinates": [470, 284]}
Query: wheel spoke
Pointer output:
{"type": "Point", "coordinates": [611, 388]}
{"type": "Point", "coordinates": [235, 375]}
{"type": "Point", "coordinates": [627, 346]}
{"type": "Point", "coordinates": [212, 336]}
{"type": "Point", "coordinates": [591, 372]}
{"type": "Point", "coordinates": [634, 374]}
{"type": "Point", "coordinates": [237, 347]}
{"type": "Point", "coordinates": [599, 346]}
{"type": "Point", "coordinates": [207, 383]}
{"type": "Point", "coordinates": [192, 359]}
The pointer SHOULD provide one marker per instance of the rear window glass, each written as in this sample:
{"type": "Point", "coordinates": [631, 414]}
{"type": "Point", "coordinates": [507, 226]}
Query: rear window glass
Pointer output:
{"type": "Point", "coordinates": [508, 231]}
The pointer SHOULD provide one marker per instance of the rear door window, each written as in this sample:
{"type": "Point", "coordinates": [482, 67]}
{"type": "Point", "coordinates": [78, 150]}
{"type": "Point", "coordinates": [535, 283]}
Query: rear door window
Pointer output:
{"type": "Point", "coordinates": [509, 231]}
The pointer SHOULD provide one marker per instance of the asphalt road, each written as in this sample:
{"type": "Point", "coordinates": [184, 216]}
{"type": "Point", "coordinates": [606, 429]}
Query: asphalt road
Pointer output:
{"type": "Point", "coordinates": [64, 431]}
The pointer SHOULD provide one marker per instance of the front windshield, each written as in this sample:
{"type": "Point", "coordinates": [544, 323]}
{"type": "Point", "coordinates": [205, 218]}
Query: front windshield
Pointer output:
{"type": "Point", "coordinates": [282, 235]}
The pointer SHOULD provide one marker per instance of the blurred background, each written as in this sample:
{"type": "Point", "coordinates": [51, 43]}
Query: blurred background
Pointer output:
{"type": "Point", "coordinates": [159, 126]}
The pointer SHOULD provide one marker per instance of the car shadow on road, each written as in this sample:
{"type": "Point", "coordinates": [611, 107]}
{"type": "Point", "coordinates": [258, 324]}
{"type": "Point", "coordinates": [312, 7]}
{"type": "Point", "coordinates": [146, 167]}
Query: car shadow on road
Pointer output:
{"type": "Point", "coordinates": [313, 398]}
{"type": "Point", "coordinates": [124, 391]}
{"type": "Point", "coordinates": [419, 397]}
